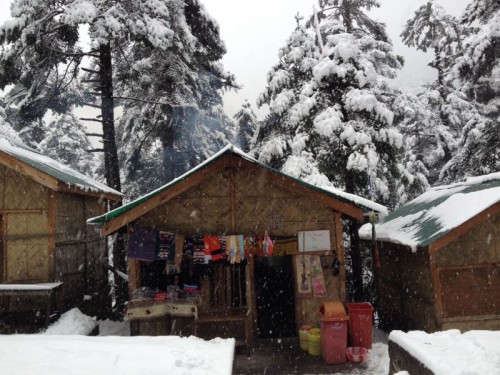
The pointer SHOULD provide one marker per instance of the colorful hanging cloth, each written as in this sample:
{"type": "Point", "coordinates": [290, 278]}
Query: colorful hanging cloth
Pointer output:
{"type": "Point", "coordinates": [267, 245]}
{"type": "Point", "coordinates": [143, 243]}
{"type": "Point", "coordinates": [213, 248]}
{"type": "Point", "coordinates": [167, 246]}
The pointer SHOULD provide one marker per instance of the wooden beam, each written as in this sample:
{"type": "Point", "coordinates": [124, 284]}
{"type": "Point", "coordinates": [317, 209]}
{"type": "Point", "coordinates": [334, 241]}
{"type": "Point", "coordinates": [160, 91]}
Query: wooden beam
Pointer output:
{"type": "Point", "coordinates": [28, 170]}
{"type": "Point", "coordinates": [465, 227]}
{"type": "Point", "coordinates": [163, 197]}
{"type": "Point", "coordinates": [232, 192]}
{"type": "Point", "coordinates": [339, 248]}
{"type": "Point", "coordinates": [348, 209]}
{"type": "Point", "coordinates": [5, 212]}
{"type": "Point", "coordinates": [72, 189]}
{"type": "Point", "coordinates": [52, 217]}
{"type": "Point", "coordinates": [133, 275]}
{"type": "Point", "coordinates": [476, 318]}
{"type": "Point", "coordinates": [252, 297]}
{"type": "Point", "coordinates": [436, 286]}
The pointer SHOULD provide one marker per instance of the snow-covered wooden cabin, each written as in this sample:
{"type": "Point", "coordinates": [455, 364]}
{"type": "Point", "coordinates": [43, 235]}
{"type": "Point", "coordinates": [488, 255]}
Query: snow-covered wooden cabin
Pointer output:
{"type": "Point", "coordinates": [44, 238]}
{"type": "Point", "coordinates": [440, 259]}
{"type": "Point", "coordinates": [233, 194]}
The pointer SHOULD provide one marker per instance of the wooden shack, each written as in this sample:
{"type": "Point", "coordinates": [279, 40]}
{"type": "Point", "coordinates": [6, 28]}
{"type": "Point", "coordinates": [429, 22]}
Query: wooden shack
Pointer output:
{"type": "Point", "coordinates": [44, 237]}
{"type": "Point", "coordinates": [440, 259]}
{"type": "Point", "coordinates": [234, 194]}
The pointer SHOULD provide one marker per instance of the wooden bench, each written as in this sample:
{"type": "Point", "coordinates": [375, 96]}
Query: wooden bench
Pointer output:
{"type": "Point", "coordinates": [47, 290]}
{"type": "Point", "coordinates": [224, 315]}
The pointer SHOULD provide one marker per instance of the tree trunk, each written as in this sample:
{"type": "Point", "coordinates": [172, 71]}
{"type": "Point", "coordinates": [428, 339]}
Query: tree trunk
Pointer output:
{"type": "Point", "coordinates": [356, 263]}
{"type": "Point", "coordinates": [440, 69]}
{"type": "Point", "coordinates": [112, 167]}
{"type": "Point", "coordinates": [167, 140]}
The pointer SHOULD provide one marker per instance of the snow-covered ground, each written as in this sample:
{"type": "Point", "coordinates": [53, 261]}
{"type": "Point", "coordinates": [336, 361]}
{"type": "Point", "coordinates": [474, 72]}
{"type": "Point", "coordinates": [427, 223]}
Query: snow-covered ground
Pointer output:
{"type": "Point", "coordinates": [65, 348]}
{"type": "Point", "coordinates": [453, 353]}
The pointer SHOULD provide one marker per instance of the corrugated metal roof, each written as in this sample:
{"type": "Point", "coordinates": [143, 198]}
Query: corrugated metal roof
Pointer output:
{"type": "Point", "coordinates": [51, 167]}
{"type": "Point", "coordinates": [360, 202]}
{"type": "Point", "coordinates": [437, 212]}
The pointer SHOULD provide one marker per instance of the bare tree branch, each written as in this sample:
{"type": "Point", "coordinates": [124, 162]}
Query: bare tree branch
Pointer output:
{"type": "Point", "coordinates": [90, 70]}
{"type": "Point", "coordinates": [90, 119]}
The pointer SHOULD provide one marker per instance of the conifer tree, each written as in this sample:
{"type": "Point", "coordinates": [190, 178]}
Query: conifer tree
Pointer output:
{"type": "Point", "coordinates": [477, 74]}
{"type": "Point", "coordinates": [246, 125]}
{"type": "Point", "coordinates": [181, 94]}
{"type": "Point", "coordinates": [330, 106]}
{"type": "Point", "coordinates": [432, 28]}
{"type": "Point", "coordinates": [330, 122]}
{"type": "Point", "coordinates": [67, 142]}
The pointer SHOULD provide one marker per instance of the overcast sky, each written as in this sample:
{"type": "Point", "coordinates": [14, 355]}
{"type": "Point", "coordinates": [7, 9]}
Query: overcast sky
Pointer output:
{"type": "Point", "coordinates": [254, 30]}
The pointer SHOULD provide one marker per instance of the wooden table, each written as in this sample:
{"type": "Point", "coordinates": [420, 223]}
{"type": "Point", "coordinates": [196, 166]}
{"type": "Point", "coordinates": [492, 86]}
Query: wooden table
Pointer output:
{"type": "Point", "coordinates": [224, 315]}
{"type": "Point", "coordinates": [47, 290]}
{"type": "Point", "coordinates": [156, 316]}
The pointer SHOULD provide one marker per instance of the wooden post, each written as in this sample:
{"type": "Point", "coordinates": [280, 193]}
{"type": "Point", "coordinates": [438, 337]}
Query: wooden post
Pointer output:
{"type": "Point", "coordinates": [52, 217]}
{"type": "Point", "coordinates": [134, 275]}
{"type": "Point", "coordinates": [436, 286]}
{"type": "Point", "coordinates": [339, 248]}
{"type": "Point", "coordinates": [232, 193]}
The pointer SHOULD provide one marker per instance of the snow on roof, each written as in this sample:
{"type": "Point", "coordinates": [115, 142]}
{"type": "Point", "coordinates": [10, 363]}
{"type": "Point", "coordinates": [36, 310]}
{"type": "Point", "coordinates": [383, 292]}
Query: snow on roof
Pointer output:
{"type": "Point", "coordinates": [451, 352]}
{"type": "Point", "coordinates": [436, 212]}
{"type": "Point", "coordinates": [51, 167]}
{"type": "Point", "coordinates": [362, 203]}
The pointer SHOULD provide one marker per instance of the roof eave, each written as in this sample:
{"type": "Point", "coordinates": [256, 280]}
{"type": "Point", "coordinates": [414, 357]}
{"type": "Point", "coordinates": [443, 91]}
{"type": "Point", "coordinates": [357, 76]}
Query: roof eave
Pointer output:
{"type": "Point", "coordinates": [162, 195]}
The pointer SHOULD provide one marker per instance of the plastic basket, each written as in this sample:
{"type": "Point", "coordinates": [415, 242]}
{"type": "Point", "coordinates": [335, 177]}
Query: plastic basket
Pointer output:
{"type": "Point", "coordinates": [356, 354]}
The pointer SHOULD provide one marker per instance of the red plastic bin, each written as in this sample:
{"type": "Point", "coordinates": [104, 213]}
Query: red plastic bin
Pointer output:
{"type": "Point", "coordinates": [360, 324]}
{"type": "Point", "coordinates": [333, 332]}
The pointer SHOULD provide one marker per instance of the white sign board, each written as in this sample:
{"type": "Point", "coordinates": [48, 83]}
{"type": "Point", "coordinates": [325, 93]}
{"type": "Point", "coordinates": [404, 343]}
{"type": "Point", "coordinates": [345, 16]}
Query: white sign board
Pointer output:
{"type": "Point", "coordinates": [315, 240]}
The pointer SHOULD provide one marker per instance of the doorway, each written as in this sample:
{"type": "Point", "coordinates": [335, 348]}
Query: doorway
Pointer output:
{"type": "Point", "coordinates": [274, 290]}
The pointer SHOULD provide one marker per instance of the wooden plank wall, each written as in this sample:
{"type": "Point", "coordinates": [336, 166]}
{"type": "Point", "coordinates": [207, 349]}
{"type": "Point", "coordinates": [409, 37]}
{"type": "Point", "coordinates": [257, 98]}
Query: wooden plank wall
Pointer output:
{"type": "Point", "coordinates": [406, 295]}
{"type": "Point", "coordinates": [25, 234]}
{"type": "Point", "coordinates": [24, 206]}
{"type": "Point", "coordinates": [81, 254]}
{"type": "Point", "coordinates": [468, 274]}
{"type": "Point", "coordinates": [97, 252]}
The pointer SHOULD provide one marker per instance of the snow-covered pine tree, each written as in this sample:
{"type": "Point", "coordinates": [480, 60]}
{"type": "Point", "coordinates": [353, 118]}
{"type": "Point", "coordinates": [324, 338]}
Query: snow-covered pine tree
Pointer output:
{"type": "Point", "coordinates": [330, 122]}
{"type": "Point", "coordinates": [246, 125]}
{"type": "Point", "coordinates": [66, 141]}
{"type": "Point", "coordinates": [6, 130]}
{"type": "Point", "coordinates": [178, 118]}
{"type": "Point", "coordinates": [287, 102]}
{"type": "Point", "coordinates": [477, 74]}
{"type": "Point", "coordinates": [433, 28]}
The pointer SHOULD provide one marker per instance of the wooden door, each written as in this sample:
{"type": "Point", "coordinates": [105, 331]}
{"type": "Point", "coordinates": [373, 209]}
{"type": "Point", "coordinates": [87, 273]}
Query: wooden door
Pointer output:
{"type": "Point", "coordinates": [275, 300]}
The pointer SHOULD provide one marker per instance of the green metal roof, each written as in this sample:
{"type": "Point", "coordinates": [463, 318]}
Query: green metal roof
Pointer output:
{"type": "Point", "coordinates": [51, 167]}
{"type": "Point", "coordinates": [436, 212]}
{"type": "Point", "coordinates": [359, 202]}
